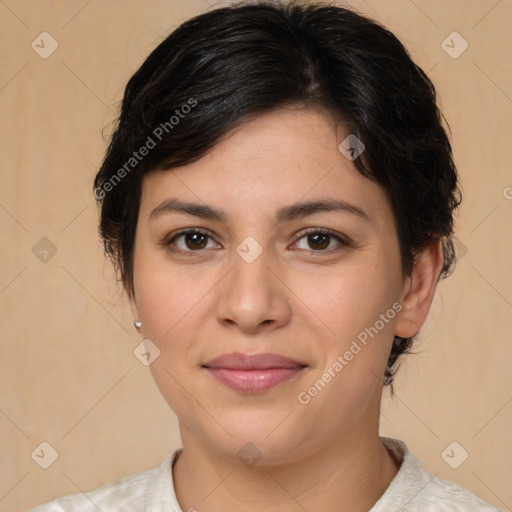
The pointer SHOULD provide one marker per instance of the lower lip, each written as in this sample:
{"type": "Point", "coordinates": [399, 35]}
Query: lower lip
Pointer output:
{"type": "Point", "coordinates": [253, 381]}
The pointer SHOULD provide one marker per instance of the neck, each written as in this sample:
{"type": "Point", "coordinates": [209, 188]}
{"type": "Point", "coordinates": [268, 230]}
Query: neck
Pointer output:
{"type": "Point", "coordinates": [350, 474]}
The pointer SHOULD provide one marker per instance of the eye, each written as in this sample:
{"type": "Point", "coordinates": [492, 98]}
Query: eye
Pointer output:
{"type": "Point", "coordinates": [320, 240]}
{"type": "Point", "coordinates": [189, 240]}
{"type": "Point", "coordinates": [197, 239]}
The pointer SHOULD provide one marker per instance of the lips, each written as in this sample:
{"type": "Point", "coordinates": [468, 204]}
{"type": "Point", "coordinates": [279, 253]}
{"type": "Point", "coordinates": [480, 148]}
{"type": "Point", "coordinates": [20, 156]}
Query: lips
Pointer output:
{"type": "Point", "coordinates": [253, 373]}
{"type": "Point", "coordinates": [240, 361]}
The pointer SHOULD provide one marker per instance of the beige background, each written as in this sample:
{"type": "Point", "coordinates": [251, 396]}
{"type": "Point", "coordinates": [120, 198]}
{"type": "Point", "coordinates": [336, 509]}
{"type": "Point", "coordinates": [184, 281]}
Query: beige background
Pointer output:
{"type": "Point", "coordinates": [68, 373]}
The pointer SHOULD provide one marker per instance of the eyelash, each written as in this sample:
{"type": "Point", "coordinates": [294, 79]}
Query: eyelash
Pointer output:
{"type": "Point", "coordinates": [167, 242]}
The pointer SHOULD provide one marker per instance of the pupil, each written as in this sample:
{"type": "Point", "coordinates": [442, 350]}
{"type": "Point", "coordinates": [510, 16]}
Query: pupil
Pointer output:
{"type": "Point", "coordinates": [318, 236]}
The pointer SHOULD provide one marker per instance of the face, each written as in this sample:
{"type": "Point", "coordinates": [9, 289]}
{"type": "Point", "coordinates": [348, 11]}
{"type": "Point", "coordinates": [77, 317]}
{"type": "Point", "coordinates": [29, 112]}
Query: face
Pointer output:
{"type": "Point", "coordinates": [249, 271]}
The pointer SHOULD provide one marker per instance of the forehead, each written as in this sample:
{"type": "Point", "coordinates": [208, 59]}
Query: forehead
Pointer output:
{"type": "Point", "coordinates": [273, 160]}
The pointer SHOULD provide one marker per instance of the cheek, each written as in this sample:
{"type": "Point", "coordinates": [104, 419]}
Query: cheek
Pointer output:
{"type": "Point", "coordinates": [349, 299]}
{"type": "Point", "coordinates": [169, 301]}
{"type": "Point", "coordinates": [167, 295]}
{"type": "Point", "coordinates": [359, 306]}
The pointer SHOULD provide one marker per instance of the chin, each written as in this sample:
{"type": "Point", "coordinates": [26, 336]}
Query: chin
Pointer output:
{"type": "Point", "coordinates": [253, 436]}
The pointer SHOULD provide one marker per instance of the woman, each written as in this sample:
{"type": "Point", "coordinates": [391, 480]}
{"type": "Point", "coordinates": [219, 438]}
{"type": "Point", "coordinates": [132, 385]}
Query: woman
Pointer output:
{"type": "Point", "coordinates": [278, 198]}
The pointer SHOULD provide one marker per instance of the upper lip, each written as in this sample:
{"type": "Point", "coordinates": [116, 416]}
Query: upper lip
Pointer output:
{"type": "Point", "coordinates": [241, 361]}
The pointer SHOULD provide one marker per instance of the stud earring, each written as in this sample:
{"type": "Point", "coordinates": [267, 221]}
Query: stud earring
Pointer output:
{"type": "Point", "coordinates": [137, 324]}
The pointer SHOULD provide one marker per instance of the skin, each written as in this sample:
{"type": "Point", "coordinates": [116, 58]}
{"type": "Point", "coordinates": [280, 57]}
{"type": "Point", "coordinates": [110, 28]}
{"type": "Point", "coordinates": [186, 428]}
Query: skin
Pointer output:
{"type": "Point", "coordinates": [296, 299]}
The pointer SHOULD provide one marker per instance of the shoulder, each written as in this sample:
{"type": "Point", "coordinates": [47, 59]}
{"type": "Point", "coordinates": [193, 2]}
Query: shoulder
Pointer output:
{"type": "Point", "coordinates": [122, 494]}
{"type": "Point", "coordinates": [126, 494]}
{"type": "Point", "coordinates": [415, 489]}
{"type": "Point", "coordinates": [439, 490]}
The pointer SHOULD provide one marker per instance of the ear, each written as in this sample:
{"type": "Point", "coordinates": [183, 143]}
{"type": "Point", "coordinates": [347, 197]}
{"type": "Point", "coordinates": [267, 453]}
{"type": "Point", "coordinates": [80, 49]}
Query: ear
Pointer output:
{"type": "Point", "coordinates": [419, 291]}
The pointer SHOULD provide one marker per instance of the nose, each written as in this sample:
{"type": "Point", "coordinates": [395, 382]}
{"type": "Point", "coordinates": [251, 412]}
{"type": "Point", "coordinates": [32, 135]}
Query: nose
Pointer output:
{"type": "Point", "coordinates": [253, 296]}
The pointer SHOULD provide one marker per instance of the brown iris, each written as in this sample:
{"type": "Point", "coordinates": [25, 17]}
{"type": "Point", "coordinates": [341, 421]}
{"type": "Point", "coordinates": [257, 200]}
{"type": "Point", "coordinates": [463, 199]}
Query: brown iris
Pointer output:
{"type": "Point", "coordinates": [198, 240]}
{"type": "Point", "coordinates": [319, 240]}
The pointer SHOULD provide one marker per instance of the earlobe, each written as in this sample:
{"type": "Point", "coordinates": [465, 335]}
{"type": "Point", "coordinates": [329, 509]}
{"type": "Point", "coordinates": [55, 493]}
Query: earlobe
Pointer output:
{"type": "Point", "coordinates": [133, 306]}
{"type": "Point", "coordinates": [419, 291]}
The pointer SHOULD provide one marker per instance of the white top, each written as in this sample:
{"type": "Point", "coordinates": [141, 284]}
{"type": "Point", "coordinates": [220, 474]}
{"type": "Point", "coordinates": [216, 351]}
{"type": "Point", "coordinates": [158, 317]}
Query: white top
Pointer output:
{"type": "Point", "coordinates": [412, 490]}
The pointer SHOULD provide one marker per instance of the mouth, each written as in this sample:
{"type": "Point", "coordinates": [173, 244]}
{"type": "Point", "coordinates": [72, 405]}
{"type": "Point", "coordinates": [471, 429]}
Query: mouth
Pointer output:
{"type": "Point", "coordinates": [253, 373]}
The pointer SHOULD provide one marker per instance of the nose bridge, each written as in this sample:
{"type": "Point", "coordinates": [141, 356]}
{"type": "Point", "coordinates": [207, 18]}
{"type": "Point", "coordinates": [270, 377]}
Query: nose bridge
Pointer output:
{"type": "Point", "coordinates": [250, 278]}
{"type": "Point", "coordinates": [251, 295]}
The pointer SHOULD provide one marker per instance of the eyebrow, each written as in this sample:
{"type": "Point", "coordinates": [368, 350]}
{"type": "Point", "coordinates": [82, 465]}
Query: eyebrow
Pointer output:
{"type": "Point", "coordinates": [284, 214]}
